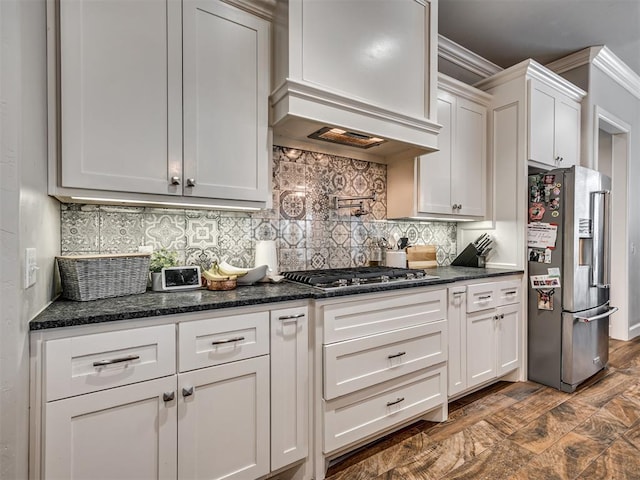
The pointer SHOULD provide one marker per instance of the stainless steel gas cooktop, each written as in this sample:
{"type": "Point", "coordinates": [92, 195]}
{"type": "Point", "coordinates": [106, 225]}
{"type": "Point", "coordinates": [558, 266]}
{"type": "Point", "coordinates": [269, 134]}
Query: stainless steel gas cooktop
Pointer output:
{"type": "Point", "coordinates": [355, 277]}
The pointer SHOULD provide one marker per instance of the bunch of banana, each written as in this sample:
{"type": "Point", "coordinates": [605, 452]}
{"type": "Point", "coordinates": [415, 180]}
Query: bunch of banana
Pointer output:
{"type": "Point", "coordinates": [215, 275]}
{"type": "Point", "coordinates": [224, 271]}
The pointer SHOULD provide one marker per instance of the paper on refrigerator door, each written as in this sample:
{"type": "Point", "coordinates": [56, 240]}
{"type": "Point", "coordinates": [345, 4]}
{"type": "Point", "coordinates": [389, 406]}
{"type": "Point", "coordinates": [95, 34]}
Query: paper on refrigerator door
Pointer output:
{"type": "Point", "coordinates": [541, 235]}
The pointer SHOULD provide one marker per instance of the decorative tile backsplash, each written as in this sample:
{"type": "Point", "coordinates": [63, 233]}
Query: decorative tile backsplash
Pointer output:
{"type": "Point", "coordinates": [309, 233]}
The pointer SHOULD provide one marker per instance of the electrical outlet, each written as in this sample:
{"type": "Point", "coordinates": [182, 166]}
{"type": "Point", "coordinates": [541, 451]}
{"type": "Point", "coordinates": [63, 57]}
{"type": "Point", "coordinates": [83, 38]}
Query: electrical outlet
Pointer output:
{"type": "Point", "coordinates": [30, 267]}
{"type": "Point", "coordinates": [145, 249]}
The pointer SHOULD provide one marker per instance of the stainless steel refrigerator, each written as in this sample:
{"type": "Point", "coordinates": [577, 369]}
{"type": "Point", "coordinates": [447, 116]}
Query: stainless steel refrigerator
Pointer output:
{"type": "Point", "coordinates": [569, 267]}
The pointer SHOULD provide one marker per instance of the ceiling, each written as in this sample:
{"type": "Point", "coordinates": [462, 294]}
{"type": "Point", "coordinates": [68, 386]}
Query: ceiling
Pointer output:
{"type": "Point", "coordinates": [506, 32]}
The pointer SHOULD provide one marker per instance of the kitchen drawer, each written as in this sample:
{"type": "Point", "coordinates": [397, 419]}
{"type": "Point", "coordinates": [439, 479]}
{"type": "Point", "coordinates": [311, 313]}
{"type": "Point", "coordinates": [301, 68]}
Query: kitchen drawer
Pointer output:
{"type": "Point", "coordinates": [204, 343]}
{"type": "Point", "coordinates": [509, 292]}
{"type": "Point", "coordinates": [358, 318]}
{"type": "Point", "coordinates": [481, 296]}
{"type": "Point", "coordinates": [355, 364]}
{"type": "Point", "coordinates": [89, 363]}
{"type": "Point", "coordinates": [354, 417]}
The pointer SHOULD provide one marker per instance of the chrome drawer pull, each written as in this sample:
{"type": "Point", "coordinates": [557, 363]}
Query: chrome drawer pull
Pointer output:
{"type": "Point", "coordinates": [513, 292]}
{"type": "Point", "coordinates": [457, 294]}
{"type": "Point", "coordinates": [291, 317]}
{"type": "Point", "coordinates": [486, 297]}
{"type": "Point", "coordinates": [228, 340]}
{"type": "Point", "coordinates": [128, 358]}
{"type": "Point", "coordinates": [395, 402]}
{"type": "Point", "coordinates": [399, 354]}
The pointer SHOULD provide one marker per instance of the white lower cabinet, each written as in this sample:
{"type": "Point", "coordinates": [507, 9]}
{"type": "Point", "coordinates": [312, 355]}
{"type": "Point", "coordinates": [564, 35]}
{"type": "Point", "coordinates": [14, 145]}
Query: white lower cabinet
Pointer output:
{"type": "Point", "coordinates": [235, 408]}
{"type": "Point", "coordinates": [381, 362]}
{"type": "Point", "coordinates": [120, 433]}
{"type": "Point", "coordinates": [223, 426]}
{"type": "Point", "coordinates": [289, 386]}
{"type": "Point", "coordinates": [485, 330]}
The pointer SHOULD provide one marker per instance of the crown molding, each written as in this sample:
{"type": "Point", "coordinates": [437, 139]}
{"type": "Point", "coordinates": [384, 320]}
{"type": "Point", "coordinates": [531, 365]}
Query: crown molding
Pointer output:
{"type": "Point", "coordinates": [533, 69]}
{"type": "Point", "coordinates": [465, 58]}
{"type": "Point", "coordinates": [606, 61]}
{"type": "Point", "coordinates": [463, 90]}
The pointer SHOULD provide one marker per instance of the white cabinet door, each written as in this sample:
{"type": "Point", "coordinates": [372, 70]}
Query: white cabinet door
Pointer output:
{"type": "Point", "coordinates": [508, 338]}
{"type": "Point", "coordinates": [481, 347]}
{"type": "Point", "coordinates": [120, 95]}
{"type": "Point", "coordinates": [289, 386]}
{"type": "Point", "coordinates": [541, 124]}
{"type": "Point", "coordinates": [435, 169]}
{"type": "Point", "coordinates": [124, 432]}
{"type": "Point", "coordinates": [223, 429]}
{"type": "Point", "coordinates": [226, 88]}
{"type": "Point", "coordinates": [554, 127]}
{"type": "Point", "coordinates": [468, 169]}
{"type": "Point", "coordinates": [457, 358]}
{"type": "Point", "coordinates": [567, 131]}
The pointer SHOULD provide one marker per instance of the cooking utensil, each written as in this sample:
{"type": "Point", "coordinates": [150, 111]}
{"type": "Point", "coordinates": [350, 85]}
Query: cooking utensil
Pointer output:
{"type": "Point", "coordinates": [403, 243]}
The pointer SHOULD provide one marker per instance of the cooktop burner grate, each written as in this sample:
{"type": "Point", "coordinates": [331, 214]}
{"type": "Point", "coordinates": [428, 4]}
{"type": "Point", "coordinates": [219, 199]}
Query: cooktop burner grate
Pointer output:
{"type": "Point", "coordinates": [344, 277]}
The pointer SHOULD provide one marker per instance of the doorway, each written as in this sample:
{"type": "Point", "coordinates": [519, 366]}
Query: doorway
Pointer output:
{"type": "Point", "coordinates": [611, 157]}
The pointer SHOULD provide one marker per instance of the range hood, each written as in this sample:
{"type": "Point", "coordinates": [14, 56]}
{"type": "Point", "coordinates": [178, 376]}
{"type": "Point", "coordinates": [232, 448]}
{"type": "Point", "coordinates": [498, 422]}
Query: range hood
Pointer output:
{"type": "Point", "coordinates": [361, 78]}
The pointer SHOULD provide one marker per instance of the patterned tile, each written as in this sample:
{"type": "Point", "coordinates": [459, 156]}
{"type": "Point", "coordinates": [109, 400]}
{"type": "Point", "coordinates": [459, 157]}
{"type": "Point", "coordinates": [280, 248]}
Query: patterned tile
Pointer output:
{"type": "Point", "coordinates": [265, 229]}
{"type": "Point", "coordinates": [202, 231]}
{"type": "Point", "coordinates": [292, 234]}
{"type": "Point", "coordinates": [317, 258]}
{"type": "Point", "coordinates": [359, 234]}
{"type": "Point", "coordinates": [292, 205]}
{"type": "Point", "coordinates": [79, 230]}
{"type": "Point", "coordinates": [202, 257]}
{"type": "Point", "coordinates": [292, 259]}
{"type": "Point", "coordinates": [164, 229]}
{"type": "Point", "coordinates": [318, 234]}
{"type": "Point", "coordinates": [121, 230]}
{"type": "Point", "coordinates": [291, 176]}
{"type": "Point", "coordinates": [341, 233]}
{"type": "Point", "coordinates": [359, 256]}
{"type": "Point", "coordinates": [340, 257]}
{"type": "Point", "coordinates": [235, 233]}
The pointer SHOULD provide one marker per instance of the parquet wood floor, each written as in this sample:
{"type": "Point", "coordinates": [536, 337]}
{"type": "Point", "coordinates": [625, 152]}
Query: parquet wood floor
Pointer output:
{"type": "Point", "coordinates": [521, 431]}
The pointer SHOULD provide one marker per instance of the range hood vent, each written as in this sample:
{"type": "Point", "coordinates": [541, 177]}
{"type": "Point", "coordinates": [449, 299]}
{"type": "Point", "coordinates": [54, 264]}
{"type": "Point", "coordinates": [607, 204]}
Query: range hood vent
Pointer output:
{"type": "Point", "coordinates": [343, 137]}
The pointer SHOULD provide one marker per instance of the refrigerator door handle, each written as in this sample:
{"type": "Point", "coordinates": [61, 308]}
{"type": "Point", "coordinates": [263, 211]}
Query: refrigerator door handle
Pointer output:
{"type": "Point", "coordinates": [601, 217]}
{"type": "Point", "coordinates": [608, 313]}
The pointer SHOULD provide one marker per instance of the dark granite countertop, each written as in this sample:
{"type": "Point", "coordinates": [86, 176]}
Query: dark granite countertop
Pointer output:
{"type": "Point", "coordinates": [67, 313]}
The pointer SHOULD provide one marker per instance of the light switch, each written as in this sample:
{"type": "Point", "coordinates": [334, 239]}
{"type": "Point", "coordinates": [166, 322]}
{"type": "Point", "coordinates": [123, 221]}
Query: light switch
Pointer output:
{"type": "Point", "coordinates": [30, 267]}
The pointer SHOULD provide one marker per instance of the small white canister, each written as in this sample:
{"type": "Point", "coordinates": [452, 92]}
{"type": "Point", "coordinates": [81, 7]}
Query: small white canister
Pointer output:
{"type": "Point", "coordinates": [396, 258]}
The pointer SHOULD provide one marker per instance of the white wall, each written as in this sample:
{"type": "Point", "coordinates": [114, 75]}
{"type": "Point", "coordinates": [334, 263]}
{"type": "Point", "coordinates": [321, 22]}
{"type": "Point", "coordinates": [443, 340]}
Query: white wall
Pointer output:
{"type": "Point", "coordinates": [28, 217]}
{"type": "Point", "coordinates": [610, 96]}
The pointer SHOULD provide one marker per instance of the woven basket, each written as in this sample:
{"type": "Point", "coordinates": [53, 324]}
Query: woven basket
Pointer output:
{"type": "Point", "coordinates": [103, 276]}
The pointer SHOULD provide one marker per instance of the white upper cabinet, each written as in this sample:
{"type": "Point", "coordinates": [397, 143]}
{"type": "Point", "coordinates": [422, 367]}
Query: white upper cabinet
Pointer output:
{"type": "Point", "coordinates": [226, 82]}
{"type": "Point", "coordinates": [120, 95]}
{"type": "Point", "coordinates": [451, 182]}
{"type": "Point", "coordinates": [554, 126]}
{"type": "Point", "coordinates": [160, 100]}
{"type": "Point", "coordinates": [368, 67]}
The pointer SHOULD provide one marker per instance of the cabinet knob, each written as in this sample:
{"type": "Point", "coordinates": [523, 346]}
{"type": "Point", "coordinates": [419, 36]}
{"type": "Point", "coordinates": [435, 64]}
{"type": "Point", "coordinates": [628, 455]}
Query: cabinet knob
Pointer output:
{"type": "Point", "coordinates": [175, 180]}
{"type": "Point", "coordinates": [191, 182]}
{"type": "Point", "coordinates": [187, 391]}
{"type": "Point", "coordinates": [459, 206]}
{"type": "Point", "coordinates": [168, 396]}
